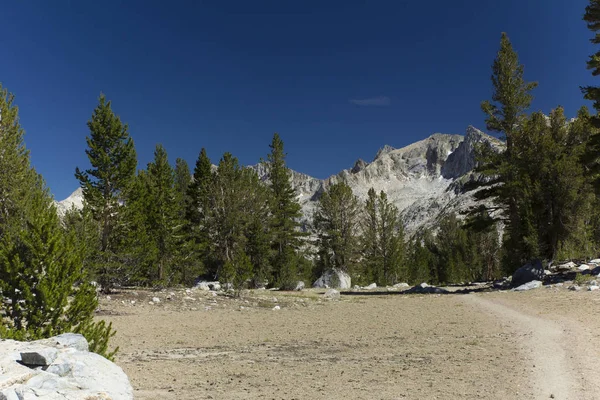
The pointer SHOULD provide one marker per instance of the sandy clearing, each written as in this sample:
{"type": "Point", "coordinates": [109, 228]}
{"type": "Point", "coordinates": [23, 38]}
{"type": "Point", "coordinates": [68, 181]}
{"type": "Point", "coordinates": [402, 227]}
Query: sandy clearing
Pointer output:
{"type": "Point", "coordinates": [375, 347]}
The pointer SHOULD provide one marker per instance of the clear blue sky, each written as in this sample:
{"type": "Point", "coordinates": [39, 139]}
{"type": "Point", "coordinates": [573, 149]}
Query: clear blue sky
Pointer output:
{"type": "Point", "coordinates": [337, 79]}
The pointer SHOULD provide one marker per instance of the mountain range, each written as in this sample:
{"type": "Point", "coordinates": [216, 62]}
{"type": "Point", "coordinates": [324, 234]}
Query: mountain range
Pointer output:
{"type": "Point", "coordinates": [424, 180]}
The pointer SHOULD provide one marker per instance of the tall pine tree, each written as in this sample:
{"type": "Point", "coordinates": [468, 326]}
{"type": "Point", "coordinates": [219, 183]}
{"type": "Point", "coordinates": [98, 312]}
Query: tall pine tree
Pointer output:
{"type": "Point", "coordinates": [238, 221]}
{"type": "Point", "coordinates": [592, 18]}
{"type": "Point", "coordinates": [113, 162]}
{"type": "Point", "coordinates": [198, 212]}
{"type": "Point", "coordinates": [189, 264]}
{"type": "Point", "coordinates": [164, 224]}
{"type": "Point", "coordinates": [592, 155]}
{"type": "Point", "coordinates": [382, 240]}
{"type": "Point", "coordinates": [286, 212]}
{"type": "Point", "coordinates": [336, 221]}
{"type": "Point", "coordinates": [506, 186]}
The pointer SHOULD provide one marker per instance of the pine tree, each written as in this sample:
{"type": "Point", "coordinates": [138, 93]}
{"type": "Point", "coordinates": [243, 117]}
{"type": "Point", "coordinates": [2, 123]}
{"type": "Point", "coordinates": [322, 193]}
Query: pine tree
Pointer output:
{"type": "Point", "coordinates": [391, 234]}
{"type": "Point", "coordinates": [336, 221]}
{"type": "Point", "coordinates": [189, 263]}
{"type": "Point", "coordinates": [371, 257]}
{"type": "Point", "coordinates": [226, 220]}
{"type": "Point", "coordinates": [183, 180]}
{"type": "Point", "coordinates": [258, 248]}
{"type": "Point", "coordinates": [592, 17]}
{"type": "Point", "coordinates": [382, 240]}
{"type": "Point", "coordinates": [484, 253]}
{"type": "Point", "coordinates": [138, 251]}
{"type": "Point", "coordinates": [421, 260]}
{"type": "Point", "coordinates": [14, 163]}
{"type": "Point", "coordinates": [239, 217]}
{"type": "Point", "coordinates": [511, 97]}
{"type": "Point", "coordinates": [592, 154]}
{"type": "Point", "coordinates": [164, 224]}
{"type": "Point", "coordinates": [112, 156]}
{"type": "Point", "coordinates": [562, 190]}
{"type": "Point", "coordinates": [41, 273]}
{"type": "Point", "coordinates": [86, 234]}
{"type": "Point", "coordinates": [286, 212]}
{"type": "Point", "coordinates": [505, 184]}
{"type": "Point", "coordinates": [237, 271]}
{"type": "Point", "coordinates": [198, 211]}
{"type": "Point", "coordinates": [452, 247]}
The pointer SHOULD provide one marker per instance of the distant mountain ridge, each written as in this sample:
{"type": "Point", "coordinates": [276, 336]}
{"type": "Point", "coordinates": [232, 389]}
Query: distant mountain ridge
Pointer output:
{"type": "Point", "coordinates": [423, 179]}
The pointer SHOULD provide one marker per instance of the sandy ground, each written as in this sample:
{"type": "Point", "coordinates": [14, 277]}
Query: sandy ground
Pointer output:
{"type": "Point", "coordinates": [501, 345]}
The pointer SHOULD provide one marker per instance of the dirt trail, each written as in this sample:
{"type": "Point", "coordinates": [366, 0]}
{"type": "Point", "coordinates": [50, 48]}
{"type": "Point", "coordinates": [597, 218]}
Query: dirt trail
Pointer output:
{"type": "Point", "coordinates": [552, 346]}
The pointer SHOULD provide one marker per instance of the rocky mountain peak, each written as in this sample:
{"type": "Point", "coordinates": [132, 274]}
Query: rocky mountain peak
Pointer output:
{"type": "Point", "coordinates": [74, 200]}
{"type": "Point", "coordinates": [464, 159]}
{"type": "Point", "coordinates": [359, 165]}
{"type": "Point", "coordinates": [384, 150]}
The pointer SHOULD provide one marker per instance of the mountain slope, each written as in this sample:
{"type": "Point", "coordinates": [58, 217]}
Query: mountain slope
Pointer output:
{"type": "Point", "coordinates": [423, 179]}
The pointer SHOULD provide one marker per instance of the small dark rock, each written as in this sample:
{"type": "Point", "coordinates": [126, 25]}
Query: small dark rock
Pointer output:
{"type": "Point", "coordinates": [424, 288]}
{"type": "Point", "coordinates": [533, 271]}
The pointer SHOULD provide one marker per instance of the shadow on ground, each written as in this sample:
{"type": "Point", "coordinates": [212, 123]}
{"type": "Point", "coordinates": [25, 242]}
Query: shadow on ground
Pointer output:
{"type": "Point", "coordinates": [466, 289]}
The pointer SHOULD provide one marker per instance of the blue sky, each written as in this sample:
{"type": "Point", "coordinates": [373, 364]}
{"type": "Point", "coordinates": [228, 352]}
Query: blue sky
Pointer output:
{"type": "Point", "coordinates": [337, 79]}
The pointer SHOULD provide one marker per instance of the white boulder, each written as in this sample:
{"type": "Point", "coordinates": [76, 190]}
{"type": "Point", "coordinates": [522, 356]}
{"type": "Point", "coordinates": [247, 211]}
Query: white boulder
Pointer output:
{"type": "Point", "coordinates": [528, 286]}
{"type": "Point", "coordinates": [202, 286]}
{"type": "Point", "coordinates": [71, 372]}
{"type": "Point", "coordinates": [371, 286]}
{"type": "Point", "coordinates": [333, 278]}
{"type": "Point", "coordinates": [583, 267]}
{"type": "Point", "coordinates": [69, 340]}
{"type": "Point", "coordinates": [566, 266]}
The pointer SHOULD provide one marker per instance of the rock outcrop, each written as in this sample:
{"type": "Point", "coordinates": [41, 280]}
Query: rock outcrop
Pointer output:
{"type": "Point", "coordinates": [59, 368]}
{"type": "Point", "coordinates": [333, 278]}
